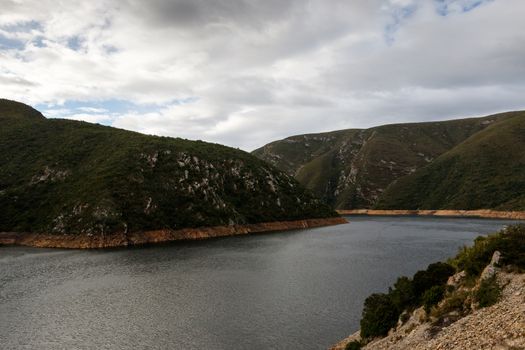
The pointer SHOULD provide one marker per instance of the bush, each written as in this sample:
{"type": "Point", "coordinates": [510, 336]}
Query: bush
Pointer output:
{"type": "Point", "coordinates": [488, 292]}
{"type": "Point", "coordinates": [454, 303]}
{"type": "Point", "coordinates": [509, 242]}
{"type": "Point", "coordinates": [353, 345]}
{"type": "Point", "coordinates": [435, 275]}
{"type": "Point", "coordinates": [402, 294]}
{"type": "Point", "coordinates": [379, 315]}
{"type": "Point", "coordinates": [433, 296]}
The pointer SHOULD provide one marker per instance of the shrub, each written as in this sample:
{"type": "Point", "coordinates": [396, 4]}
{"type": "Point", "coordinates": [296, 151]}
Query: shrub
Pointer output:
{"type": "Point", "coordinates": [379, 315]}
{"type": "Point", "coordinates": [353, 345]}
{"type": "Point", "coordinates": [474, 259]}
{"type": "Point", "coordinates": [432, 296]}
{"type": "Point", "coordinates": [402, 294]}
{"type": "Point", "coordinates": [509, 242]}
{"type": "Point", "coordinates": [488, 293]}
{"type": "Point", "coordinates": [454, 303]}
{"type": "Point", "coordinates": [435, 275]}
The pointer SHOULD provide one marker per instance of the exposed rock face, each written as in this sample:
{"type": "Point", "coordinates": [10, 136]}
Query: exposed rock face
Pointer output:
{"type": "Point", "coordinates": [456, 279]}
{"type": "Point", "coordinates": [122, 239]}
{"type": "Point", "coordinates": [500, 326]}
{"type": "Point", "coordinates": [491, 269]}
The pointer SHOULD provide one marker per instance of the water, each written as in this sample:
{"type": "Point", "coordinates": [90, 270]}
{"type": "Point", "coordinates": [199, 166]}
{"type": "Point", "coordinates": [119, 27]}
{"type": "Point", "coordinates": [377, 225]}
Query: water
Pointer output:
{"type": "Point", "coordinates": [291, 290]}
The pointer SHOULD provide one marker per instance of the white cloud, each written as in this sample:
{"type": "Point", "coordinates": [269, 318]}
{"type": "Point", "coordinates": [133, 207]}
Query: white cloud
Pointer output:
{"type": "Point", "coordinates": [244, 73]}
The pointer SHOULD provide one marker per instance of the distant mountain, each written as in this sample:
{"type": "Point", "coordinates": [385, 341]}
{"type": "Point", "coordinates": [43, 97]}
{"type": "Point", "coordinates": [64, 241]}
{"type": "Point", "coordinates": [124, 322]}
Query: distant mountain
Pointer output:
{"type": "Point", "coordinates": [71, 177]}
{"type": "Point", "coordinates": [357, 168]}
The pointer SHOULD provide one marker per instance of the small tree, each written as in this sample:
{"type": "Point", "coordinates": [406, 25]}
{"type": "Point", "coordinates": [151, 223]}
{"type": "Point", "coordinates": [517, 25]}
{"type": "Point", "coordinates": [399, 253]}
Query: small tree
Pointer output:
{"type": "Point", "coordinates": [379, 315]}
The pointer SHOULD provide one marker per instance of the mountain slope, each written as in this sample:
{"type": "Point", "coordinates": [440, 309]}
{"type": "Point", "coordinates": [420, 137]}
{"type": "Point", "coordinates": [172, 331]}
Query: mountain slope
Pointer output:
{"type": "Point", "coordinates": [62, 177]}
{"type": "Point", "coordinates": [485, 171]}
{"type": "Point", "coordinates": [352, 168]}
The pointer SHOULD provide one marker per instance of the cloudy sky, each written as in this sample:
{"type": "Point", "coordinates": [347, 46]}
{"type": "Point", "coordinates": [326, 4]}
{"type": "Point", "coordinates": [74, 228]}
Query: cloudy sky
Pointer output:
{"type": "Point", "coordinates": [246, 72]}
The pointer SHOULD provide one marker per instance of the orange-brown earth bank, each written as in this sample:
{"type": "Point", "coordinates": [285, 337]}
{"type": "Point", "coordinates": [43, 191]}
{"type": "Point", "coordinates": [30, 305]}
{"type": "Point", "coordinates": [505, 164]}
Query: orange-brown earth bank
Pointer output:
{"type": "Point", "coordinates": [122, 239]}
{"type": "Point", "coordinates": [480, 213]}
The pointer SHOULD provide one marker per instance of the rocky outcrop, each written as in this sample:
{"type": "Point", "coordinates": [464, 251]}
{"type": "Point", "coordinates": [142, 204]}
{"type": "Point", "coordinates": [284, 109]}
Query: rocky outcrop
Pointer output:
{"type": "Point", "coordinates": [491, 269]}
{"type": "Point", "coordinates": [481, 213]}
{"type": "Point", "coordinates": [122, 239]}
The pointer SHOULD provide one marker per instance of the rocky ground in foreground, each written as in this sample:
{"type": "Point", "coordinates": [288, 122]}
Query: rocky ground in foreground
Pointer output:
{"type": "Point", "coordinates": [500, 326]}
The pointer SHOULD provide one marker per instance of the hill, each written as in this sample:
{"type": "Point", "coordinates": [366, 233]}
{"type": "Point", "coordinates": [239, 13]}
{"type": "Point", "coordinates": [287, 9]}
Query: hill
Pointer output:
{"type": "Point", "coordinates": [353, 168]}
{"type": "Point", "coordinates": [70, 177]}
{"type": "Point", "coordinates": [484, 171]}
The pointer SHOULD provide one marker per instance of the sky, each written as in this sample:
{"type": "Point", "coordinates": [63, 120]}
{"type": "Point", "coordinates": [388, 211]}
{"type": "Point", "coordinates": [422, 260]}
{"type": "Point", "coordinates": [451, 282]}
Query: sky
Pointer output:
{"type": "Point", "coordinates": [244, 73]}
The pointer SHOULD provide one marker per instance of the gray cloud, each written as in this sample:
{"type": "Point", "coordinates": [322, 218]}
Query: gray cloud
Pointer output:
{"type": "Point", "coordinates": [246, 72]}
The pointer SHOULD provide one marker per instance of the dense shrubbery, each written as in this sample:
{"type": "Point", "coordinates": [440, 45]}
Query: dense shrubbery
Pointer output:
{"type": "Point", "coordinates": [435, 275]}
{"type": "Point", "coordinates": [382, 311]}
{"type": "Point", "coordinates": [427, 287]}
{"type": "Point", "coordinates": [379, 315]}
{"type": "Point", "coordinates": [510, 242]}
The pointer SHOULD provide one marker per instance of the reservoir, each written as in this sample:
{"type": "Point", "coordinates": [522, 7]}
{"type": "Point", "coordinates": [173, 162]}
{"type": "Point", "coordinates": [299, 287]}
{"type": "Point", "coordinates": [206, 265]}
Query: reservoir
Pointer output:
{"type": "Point", "coordinates": [287, 290]}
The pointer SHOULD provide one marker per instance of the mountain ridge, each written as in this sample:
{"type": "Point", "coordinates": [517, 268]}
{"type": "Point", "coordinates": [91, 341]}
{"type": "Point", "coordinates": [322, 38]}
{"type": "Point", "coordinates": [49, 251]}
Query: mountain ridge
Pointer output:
{"type": "Point", "coordinates": [352, 168]}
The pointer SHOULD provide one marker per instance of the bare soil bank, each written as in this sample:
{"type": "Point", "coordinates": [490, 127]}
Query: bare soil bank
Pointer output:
{"type": "Point", "coordinates": [481, 213]}
{"type": "Point", "coordinates": [121, 239]}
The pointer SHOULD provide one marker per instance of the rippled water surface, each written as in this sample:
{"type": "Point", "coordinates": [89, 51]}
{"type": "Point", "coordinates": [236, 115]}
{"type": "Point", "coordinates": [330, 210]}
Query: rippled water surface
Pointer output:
{"type": "Point", "coordinates": [290, 290]}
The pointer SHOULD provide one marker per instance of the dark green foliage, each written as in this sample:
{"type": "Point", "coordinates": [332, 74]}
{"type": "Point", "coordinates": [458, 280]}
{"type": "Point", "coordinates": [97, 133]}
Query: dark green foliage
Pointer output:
{"type": "Point", "coordinates": [63, 176]}
{"type": "Point", "coordinates": [353, 345]}
{"type": "Point", "coordinates": [381, 311]}
{"type": "Point", "coordinates": [489, 292]}
{"type": "Point", "coordinates": [432, 296]}
{"type": "Point", "coordinates": [509, 242]}
{"type": "Point", "coordinates": [402, 293]}
{"type": "Point", "coordinates": [379, 315]}
{"type": "Point", "coordinates": [459, 164]}
{"type": "Point", "coordinates": [435, 275]}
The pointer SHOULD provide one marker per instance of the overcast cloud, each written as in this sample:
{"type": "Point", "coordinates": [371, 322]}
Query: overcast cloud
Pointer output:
{"type": "Point", "coordinates": [246, 72]}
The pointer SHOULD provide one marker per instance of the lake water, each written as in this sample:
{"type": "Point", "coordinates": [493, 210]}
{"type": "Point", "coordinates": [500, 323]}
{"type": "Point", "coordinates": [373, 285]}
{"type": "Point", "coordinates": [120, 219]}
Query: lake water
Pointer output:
{"type": "Point", "coordinates": [289, 290]}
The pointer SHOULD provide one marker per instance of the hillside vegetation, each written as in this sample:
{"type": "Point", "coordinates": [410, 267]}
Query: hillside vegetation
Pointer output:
{"type": "Point", "coordinates": [357, 168]}
{"type": "Point", "coordinates": [63, 176]}
{"type": "Point", "coordinates": [485, 171]}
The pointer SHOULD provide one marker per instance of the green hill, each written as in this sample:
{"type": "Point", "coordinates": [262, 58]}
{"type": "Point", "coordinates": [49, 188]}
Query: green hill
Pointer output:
{"type": "Point", "coordinates": [63, 176]}
{"type": "Point", "coordinates": [352, 168]}
{"type": "Point", "coordinates": [485, 171]}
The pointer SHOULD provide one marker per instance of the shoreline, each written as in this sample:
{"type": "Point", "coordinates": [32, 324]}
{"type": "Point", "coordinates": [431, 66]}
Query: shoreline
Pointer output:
{"type": "Point", "coordinates": [479, 213]}
{"type": "Point", "coordinates": [122, 239]}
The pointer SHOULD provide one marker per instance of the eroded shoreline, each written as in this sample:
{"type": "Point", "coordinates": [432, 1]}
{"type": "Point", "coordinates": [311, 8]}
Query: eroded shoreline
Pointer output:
{"type": "Point", "coordinates": [121, 239]}
{"type": "Point", "coordinates": [480, 213]}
